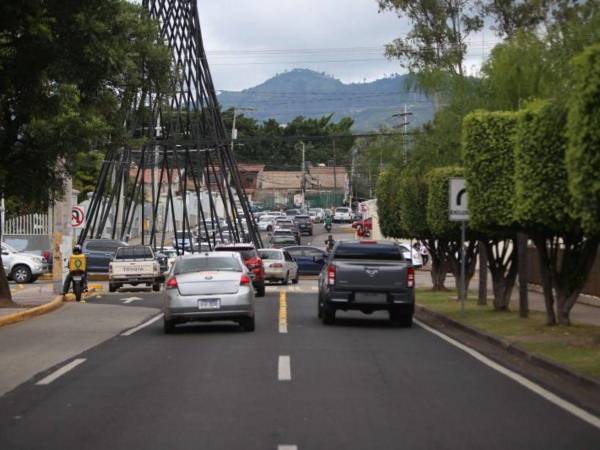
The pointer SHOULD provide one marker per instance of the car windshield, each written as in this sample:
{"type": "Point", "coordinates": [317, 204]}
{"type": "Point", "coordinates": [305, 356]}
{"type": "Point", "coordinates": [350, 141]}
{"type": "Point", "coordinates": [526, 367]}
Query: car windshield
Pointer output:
{"type": "Point", "coordinates": [245, 252]}
{"type": "Point", "coordinates": [369, 251]}
{"type": "Point", "coordinates": [271, 255]}
{"type": "Point", "coordinates": [203, 264]}
{"type": "Point", "coordinates": [302, 219]}
{"type": "Point", "coordinates": [134, 253]}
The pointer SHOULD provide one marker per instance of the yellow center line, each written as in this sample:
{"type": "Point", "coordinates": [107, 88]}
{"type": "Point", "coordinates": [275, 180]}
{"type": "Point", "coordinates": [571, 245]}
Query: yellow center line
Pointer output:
{"type": "Point", "coordinates": [282, 312]}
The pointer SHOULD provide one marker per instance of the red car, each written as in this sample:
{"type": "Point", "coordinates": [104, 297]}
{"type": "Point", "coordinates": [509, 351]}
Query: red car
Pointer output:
{"type": "Point", "coordinates": [251, 260]}
{"type": "Point", "coordinates": [363, 227]}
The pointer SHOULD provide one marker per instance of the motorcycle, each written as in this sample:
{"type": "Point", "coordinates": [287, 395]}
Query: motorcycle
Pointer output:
{"type": "Point", "coordinates": [78, 283]}
{"type": "Point", "coordinates": [328, 227]}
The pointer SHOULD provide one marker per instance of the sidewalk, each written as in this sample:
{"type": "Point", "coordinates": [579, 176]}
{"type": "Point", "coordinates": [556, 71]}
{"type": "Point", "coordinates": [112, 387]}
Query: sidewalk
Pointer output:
{"type": "Point", "coordinates": [29, 296]}
{"type": "Point", "coordinates": [581, 312]}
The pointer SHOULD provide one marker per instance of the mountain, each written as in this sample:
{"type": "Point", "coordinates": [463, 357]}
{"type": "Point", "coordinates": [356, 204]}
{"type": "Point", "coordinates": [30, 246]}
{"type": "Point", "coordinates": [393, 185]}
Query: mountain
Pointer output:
{"type": "Point", "coordinates": [303, 92]}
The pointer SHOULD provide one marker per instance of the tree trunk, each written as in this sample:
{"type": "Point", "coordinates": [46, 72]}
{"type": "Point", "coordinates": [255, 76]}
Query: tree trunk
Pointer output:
{"type": "Point", "coordinates": [503, 264]}
{"type": "Point", "coordinates": [523, 275]}
{"type": "Point", "coordinates": [438, 273]}
{"type": "Point", "coordinates": [6, 300]}
{"type": "Point", "coordinates": [482, 298]}
{"type": "Point", "coordinates": [453, 255]}
{"type": "Point", "coordinates": [546, 273]}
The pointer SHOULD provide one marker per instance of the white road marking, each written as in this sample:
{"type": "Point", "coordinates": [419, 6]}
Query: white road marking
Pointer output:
{"type": "Point", "coordinates": [131, 300]}
{"type": "Point", "coordinates": [284, 370]}
{"type": "Point", "coordinates": [60, 372]}
{"type": "Point", "coordinates": [287, 447]}
{"type": "Point", "coordinates": [536, 388]}
{"type": "Point", "coordinates": [143, 325]}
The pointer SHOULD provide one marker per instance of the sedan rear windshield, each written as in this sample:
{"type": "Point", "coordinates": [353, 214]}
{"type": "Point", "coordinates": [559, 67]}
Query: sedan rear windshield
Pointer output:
{"type": "Point", "coordinates": [369, 251]}
{"type": "Point", "coordinates": [271, 255]}
{"type": "Point", "coordinates": [192, 265]}
{"type": "Point", "coordinates": [134, 253]}
{"type": "Point", "coordinates": [342, 210]}
{"type": "Point", "coordinates": [302, 219]}
{"type": "Point", "coordinates": [245, 253]}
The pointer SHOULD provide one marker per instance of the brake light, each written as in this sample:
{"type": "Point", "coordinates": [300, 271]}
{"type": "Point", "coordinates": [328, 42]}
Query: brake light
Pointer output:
{"type": "Point", "coordinates": [276, 265]}
{"type": "Point", "coordinates": [331, 275]}
{"type": "Point", "coordinates": [171, 283]}
{"type": "Point", "coordinates": [410, 277]}
{"type": "Point", "coordinates": [245, 280]}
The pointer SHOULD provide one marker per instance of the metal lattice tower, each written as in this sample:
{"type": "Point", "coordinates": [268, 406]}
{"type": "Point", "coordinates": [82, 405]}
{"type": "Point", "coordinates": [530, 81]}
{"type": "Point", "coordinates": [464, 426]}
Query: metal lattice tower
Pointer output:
{"type": "Point", "coordinates": [184, 177]}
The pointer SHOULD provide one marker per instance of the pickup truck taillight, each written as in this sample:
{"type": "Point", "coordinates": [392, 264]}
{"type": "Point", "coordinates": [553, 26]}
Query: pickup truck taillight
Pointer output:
{"type": "Point", "coordinates": [110, 269]}
{"type": "Point", "coordinates": [171, 283]}
{"type": "Point", "coordinates": [410, 277]}
{"type": "Point", "coordinates": [331, 275]}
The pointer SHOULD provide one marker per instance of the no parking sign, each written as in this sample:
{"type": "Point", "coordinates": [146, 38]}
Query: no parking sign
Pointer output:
{"type": "Point", "coordinates": [77, 217]}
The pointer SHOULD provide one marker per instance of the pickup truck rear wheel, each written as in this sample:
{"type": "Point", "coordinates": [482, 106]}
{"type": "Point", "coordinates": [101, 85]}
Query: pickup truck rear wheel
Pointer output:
{"type": "Point", "coordinates": [328, 315]}
{"type": "Point", "coordinates": [248, 324]}
{"type": "Point", "coordinates": [401, 319]}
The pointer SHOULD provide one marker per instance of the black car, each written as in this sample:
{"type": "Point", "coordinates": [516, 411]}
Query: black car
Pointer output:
{"type": "Point", "coordinates": [304, 224]}
{"type": "Point", "coordinates": [100, 252]}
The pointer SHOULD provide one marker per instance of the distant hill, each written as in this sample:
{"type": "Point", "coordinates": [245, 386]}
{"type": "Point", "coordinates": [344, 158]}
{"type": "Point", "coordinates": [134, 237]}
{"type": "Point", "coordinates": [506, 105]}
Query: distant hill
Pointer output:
{"type": "Point", "coordinates": [303, 92]}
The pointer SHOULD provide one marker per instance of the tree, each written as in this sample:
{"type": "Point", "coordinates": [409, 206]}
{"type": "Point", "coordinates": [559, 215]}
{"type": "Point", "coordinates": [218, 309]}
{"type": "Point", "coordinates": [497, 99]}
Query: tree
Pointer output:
{"type": "Point", "coordinates": [446, 232]}
{"type": "Point", "coordinates": [488, 155]}
{"type": "Point", "coordinates": [542, 207]}
{"type": "Point", "coordinates": [511, 17]}
{"type": "Point", "coordinates": [69, 75]}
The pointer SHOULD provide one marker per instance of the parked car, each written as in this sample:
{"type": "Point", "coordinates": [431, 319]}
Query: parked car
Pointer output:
{"type": "Point", "coordinates": [342, 215]}
{"type": "Point", "coordinates": [100, 253]}
{"type": "Point", "coordinates": [280, 266]}
{"type": "Point", "coordinates": [252, 260]}
{"type": "Point", "coordinates": [367, 276]}
{"type": "Point", "coordinates": [304, 224]}
{"type": "Point", "coordinates": [134, 265]}
{"type": "Point", "coordinates": [310, 259]}
{"type": "Point", "coordinates": [208, 287]}
{"type": "Point", "coordinates": [21, 267]}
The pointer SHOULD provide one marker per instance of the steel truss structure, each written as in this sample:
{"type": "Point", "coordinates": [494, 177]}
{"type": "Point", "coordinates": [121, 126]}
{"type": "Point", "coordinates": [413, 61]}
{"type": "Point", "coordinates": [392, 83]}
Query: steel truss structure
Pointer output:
{"type": "Point", "coordinates": [185, 155]}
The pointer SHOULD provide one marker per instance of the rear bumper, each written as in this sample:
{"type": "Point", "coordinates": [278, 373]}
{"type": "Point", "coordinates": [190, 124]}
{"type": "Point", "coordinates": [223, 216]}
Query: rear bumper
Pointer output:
{"type": "Point", "coordinates": [346, 300]}
{"type": "Point", "coordinates": [275, 274]}
{"type": "Point", "coordinates": [123, 279]}
{"type": "Point", "coordinates": [185, 308]}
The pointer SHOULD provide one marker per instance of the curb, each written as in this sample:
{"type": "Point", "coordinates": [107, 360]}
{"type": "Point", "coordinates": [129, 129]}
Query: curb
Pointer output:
{"type": "Point", "coordinates": [540, 361]}
{"type": "Point", "coordinates": [32, 312]}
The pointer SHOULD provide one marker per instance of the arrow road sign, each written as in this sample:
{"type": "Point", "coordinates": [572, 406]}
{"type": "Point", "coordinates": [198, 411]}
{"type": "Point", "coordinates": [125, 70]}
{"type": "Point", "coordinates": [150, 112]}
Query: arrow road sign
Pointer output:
{"type": "Point", "coordinates": [131, 300]}
{"type": "Point", "coordinates": [458, 206]}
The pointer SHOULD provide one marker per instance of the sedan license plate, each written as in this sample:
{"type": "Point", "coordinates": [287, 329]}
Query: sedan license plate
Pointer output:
{"type": "Point", "coordinates": [370, 297]}
{"type": "Point", "coordinates": [209, 303]}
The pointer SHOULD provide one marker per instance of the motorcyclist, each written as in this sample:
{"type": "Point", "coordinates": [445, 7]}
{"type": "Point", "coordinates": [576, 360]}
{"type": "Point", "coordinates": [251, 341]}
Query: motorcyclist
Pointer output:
{"type": "Point", "coordinates": [77, 263]}
{"type": "Point", "coordinates": [330, 242]}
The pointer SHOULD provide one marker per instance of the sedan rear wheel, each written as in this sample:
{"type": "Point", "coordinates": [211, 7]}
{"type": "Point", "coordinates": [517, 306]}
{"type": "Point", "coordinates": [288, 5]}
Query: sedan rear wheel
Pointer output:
{"type": "Point", "coordinates": [168, 326]}
{"type": "Point", "coordinates": [286, 280]}
{"type": "Point", "coordinates": [21, 274]}
{"type": "Point", "coordinates": [248, 324]}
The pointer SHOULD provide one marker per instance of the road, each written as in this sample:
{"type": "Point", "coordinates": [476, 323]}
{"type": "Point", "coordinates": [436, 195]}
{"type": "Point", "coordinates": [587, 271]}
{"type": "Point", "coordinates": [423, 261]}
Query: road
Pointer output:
{"type": "Point", "coordinates": [361, 384]}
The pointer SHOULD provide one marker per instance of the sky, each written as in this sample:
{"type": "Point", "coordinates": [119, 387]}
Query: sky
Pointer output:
{"type": "Point", "coordinates": [250, 41]}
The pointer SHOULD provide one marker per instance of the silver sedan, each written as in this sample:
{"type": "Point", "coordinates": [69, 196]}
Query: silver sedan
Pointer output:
{"type": "Point", "coordinates": [209, 287]}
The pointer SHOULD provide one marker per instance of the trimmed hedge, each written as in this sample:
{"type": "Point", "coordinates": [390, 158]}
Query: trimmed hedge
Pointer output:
{"type": "Point", "coordinates": [541, 184]}
{"type": "Point", "coordinates": [488, 155]}
{"type": "Point", "coordinates": [413, 207]}
{"type": "Point", "coordinates": [583, 131]}
{"type": "Point", "coordinates": [438, 184]}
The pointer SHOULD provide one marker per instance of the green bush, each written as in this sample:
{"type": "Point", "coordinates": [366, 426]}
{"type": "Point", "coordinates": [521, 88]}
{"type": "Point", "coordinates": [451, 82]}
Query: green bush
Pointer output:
{"type": "Point", "coordinates": [488, 155]}
{"type": "Point", "coordinates": [388, 205]}
{"type": "Point", "coordinates": [583, 131]}
{"type": "Point", "coordinates": [438, 184]}
{"type": "Point", "coordinates": [541, 187]}
{"type": "Point", "coordinates": [412, 194]}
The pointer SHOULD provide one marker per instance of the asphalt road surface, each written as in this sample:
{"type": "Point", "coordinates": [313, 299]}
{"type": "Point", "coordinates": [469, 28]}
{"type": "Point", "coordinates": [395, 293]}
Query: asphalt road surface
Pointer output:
{"type": "Point", "coordinates": [292, 384]}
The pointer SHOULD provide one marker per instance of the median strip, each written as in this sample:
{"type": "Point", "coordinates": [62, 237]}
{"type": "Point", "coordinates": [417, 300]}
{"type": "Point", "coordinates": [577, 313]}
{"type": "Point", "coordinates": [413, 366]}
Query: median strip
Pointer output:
{"type": "Point", "coordinates": [283, 312]}
{"type": "Point", "coordinates": [32, 312]}
{"type": "Point", "coordinates": [60, 372]}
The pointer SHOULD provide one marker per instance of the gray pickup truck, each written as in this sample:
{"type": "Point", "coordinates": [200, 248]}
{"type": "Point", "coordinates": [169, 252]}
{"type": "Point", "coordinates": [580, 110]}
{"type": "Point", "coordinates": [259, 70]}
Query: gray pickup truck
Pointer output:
{"type": "Point", "coordinates": [367, 276]}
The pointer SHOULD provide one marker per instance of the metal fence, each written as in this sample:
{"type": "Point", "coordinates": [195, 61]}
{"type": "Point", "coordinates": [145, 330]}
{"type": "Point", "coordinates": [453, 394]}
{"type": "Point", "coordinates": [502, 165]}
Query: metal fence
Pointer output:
{"type": "Point", "coordinates": [28, 225]}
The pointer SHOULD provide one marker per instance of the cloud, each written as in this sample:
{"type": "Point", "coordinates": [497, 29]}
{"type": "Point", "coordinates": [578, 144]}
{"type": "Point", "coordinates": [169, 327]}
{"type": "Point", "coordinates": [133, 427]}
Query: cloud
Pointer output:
{"type": "Point", "coordinates": [231, 27]}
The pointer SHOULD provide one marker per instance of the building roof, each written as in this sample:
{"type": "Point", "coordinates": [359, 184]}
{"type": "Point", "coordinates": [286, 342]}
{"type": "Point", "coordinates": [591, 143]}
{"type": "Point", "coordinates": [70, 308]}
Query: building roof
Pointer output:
{"type": "Point", "coordinates": [279, 180]}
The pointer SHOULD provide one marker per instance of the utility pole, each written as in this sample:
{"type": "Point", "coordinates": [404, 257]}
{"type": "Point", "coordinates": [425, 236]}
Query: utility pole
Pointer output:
{"type": "Point", "coordinates": [354, 155]}
{"type": "Point", "coordinates": [303, 184]}
{"type": "Point", "coordinates": [62, 236]}
{"type": "Point", "coordinates": [405, 115]}
{"type": "Point", "coordinates": [334, 175]}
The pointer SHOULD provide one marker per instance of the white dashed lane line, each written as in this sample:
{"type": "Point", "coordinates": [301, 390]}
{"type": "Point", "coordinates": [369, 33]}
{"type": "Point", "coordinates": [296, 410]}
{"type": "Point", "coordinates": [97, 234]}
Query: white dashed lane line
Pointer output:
{"type": "Point", "coordinates": [284, 369]}
{"type": "Point", "coordinates": [60, 372]}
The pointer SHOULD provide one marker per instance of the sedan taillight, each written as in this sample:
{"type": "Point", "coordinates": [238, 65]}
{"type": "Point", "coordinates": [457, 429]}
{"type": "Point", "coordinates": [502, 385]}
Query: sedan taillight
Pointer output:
{"type": "Point", "coordinates": [276, 265]}
{"type": "Point", "coordinates": [171, 283]}
{"type": "Point", "coordinates": [410, 277]}
{"type": "Point", "coordinates": [245, 280]}
{"type": "Point", "coordinates": [331, 275]}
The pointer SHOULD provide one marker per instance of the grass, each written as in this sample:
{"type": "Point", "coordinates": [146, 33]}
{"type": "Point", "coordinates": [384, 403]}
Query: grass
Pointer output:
{"type": "Point", "coordinates": [576, 346]}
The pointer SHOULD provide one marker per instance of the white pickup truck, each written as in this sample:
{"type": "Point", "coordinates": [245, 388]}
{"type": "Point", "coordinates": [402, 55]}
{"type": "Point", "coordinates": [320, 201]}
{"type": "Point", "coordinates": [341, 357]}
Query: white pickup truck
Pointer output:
{"type": "Point", "coordinates": [134, 265]}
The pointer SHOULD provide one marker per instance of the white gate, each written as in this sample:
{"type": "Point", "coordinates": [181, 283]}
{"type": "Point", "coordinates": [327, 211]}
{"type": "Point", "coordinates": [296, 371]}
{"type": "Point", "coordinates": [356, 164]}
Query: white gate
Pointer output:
{"type": "Point", "coordinates": [28, 225]}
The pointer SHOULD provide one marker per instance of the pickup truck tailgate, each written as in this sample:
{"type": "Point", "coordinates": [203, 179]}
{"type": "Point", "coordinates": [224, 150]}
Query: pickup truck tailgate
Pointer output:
{"type": "Point", "coordinates": [121, 268]}
{"type": "Point", "coordinates": [366, 275]}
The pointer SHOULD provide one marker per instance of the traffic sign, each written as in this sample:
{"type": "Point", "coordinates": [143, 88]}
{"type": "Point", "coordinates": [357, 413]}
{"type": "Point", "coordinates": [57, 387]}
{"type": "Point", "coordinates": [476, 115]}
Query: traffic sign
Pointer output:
{"type": "Point", "coordinates": [459, 200]}
{"type": "Point", "coordinates": [77, 217]}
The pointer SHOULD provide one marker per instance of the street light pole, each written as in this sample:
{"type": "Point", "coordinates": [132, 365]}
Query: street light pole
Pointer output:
{"type": "Point", "coordinates": [405, 115]}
